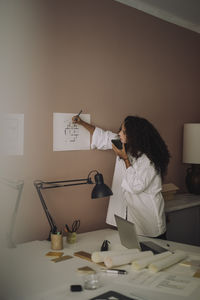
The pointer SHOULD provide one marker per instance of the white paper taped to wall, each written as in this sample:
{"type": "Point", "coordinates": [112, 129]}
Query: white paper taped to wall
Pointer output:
{"type": "Point", "coordinates": [12, 142]}
{"type": "Point", "coordinates": [69, 136]}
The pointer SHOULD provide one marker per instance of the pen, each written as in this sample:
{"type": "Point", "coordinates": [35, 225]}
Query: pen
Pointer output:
{"type": "Point", "coordinates": [78, 115]}
{"type": "Point", "coordinates": [114, 271]}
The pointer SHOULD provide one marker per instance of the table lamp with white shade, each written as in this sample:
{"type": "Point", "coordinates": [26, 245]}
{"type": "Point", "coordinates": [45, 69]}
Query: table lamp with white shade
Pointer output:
{"type": "Point", "coordinates": [191, 155]}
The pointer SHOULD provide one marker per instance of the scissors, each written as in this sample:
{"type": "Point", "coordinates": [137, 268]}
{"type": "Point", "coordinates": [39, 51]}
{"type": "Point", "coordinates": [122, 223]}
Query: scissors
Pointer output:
{"type": "Point", "coordinates": [74, 228]}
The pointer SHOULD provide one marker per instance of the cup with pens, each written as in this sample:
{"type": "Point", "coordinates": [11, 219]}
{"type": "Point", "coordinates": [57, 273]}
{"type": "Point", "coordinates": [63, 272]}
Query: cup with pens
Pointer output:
{"type": "Point", "coordinates": [72, 232]}
{"type": "Point", "coordinates": [56, 241]}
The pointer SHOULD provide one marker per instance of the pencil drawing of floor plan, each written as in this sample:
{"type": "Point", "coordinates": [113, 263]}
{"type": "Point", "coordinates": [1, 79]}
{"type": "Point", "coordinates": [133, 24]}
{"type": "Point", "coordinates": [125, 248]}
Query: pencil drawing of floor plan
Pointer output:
{"type": "Point", "coordinates": [69, 136]}
{"type": "Point", "coordinates": [71, 131]}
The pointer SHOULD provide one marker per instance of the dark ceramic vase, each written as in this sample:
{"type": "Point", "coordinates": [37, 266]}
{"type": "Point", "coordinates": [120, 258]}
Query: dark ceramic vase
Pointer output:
{"type": "Point", "coordinates": [193, 179]}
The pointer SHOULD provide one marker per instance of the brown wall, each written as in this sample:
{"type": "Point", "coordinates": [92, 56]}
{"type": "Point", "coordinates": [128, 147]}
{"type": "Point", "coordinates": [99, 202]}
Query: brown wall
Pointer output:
{"type": "Point", "coordinates": [109, 60]}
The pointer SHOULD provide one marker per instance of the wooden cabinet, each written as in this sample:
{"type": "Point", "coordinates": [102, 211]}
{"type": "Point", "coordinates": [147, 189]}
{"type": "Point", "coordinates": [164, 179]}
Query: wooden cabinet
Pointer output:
{"type": "Point", "coordinates": [183, 219]}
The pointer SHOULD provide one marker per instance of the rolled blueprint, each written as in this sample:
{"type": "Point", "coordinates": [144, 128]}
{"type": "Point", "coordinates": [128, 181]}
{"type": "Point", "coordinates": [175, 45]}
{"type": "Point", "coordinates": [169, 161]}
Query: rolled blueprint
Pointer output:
{"type": "Point", "coordinates": [144, 262]}
{"type": "Point", "coordinates": [168, 261]}
{"type": "Point", "coordinates": [98, 257]}
{"type": "Point", "coordinates": [123, 259]}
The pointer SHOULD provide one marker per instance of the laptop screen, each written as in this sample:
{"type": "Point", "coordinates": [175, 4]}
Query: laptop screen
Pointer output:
{"type": "Point", "coordinates": [129, 238]}
{"type": "Point", "coordinates": [127, 233]}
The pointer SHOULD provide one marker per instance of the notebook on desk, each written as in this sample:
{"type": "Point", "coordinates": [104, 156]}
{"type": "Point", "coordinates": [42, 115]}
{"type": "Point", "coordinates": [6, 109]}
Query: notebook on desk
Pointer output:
{"type": "Point", "coordinates": [129, 238]}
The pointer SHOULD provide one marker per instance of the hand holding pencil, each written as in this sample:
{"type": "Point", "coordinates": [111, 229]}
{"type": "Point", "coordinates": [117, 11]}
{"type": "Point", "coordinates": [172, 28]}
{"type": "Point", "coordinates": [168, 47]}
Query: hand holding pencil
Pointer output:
{"type": "Point", "coordinates": [77, 119]}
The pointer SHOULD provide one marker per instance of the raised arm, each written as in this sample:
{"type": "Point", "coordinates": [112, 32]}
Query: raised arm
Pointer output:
{"type": "Point", "coordinates": [78, 120]}
{"type": "Point", "coordinates": [101, 139]}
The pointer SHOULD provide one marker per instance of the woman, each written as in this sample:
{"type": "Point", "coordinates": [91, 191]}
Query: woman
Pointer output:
{"type": "Point", "coordinates": [140, 167]}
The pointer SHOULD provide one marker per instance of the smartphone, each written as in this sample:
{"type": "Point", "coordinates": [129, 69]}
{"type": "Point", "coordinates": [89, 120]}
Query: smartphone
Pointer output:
{"type": "Point", "coordinates": [76, 288]}
{"type": "Point", "coordinates": [117, 143]}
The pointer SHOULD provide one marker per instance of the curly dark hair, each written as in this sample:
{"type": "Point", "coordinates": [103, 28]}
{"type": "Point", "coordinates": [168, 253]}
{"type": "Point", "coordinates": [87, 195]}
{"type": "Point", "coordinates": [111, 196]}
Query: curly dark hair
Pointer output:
{"type": "Point", "coordinates": [143, 138]}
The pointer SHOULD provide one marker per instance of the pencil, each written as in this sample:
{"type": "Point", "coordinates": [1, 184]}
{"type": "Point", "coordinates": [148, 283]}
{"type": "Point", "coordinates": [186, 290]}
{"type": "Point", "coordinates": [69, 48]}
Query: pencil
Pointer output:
{"type": "Point", "coordinates": [79, 113]}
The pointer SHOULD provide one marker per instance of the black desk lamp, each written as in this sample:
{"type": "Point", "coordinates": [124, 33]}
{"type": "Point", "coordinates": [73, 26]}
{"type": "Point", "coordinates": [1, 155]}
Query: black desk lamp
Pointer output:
{"type": "Point", "coordinates": [99, 191]}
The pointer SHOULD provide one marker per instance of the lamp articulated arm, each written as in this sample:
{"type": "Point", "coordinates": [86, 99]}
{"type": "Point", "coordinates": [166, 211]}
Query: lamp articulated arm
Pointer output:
{"type": "Point", "coordinates": [43, 185]}
{"type": "Point", "coordinates": [39, 186]}
{"type": "Point", "coordinates": [100, 190]}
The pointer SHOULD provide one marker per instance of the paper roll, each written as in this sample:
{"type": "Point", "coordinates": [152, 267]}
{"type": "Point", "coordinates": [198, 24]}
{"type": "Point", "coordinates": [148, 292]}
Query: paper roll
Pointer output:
{"type": "Point", "coordinates": [143, 263]}
{"type": "Point", "coordinates": [123, 259]}
{"type": "Point", "coordinates": [99, 256]}
{"type": "Point", "coordinates": [168, 261]}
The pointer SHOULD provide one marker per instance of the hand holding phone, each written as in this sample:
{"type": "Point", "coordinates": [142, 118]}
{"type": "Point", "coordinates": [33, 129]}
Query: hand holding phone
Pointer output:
{"type": "Point", "coordinates": [120, 151]}
{"type": "Point", "coordinates": [117, 143]}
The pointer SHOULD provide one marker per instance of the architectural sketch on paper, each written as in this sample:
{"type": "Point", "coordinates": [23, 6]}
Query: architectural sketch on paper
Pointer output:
{"type": "Point", "coordinates": [69, 136]}
{"type": "Point", "coordinates": [71, 131]}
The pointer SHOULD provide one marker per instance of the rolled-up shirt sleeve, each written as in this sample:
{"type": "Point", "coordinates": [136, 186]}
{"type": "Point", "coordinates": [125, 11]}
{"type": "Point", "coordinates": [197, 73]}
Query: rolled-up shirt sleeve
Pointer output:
{"type": "Point", "coordinates": [138, 177]}
{"type": "Point", "coordinates": [102, 139]}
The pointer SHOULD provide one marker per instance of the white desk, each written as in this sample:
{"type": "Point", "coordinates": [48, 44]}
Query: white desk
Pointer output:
{"type": "Point", "coordinates": [30, 275]}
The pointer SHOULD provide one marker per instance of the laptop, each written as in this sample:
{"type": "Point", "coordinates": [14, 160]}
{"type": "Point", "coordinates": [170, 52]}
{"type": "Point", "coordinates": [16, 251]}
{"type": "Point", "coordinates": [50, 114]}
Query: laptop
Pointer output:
{"type": "Point", "coordinates": [129, 238]}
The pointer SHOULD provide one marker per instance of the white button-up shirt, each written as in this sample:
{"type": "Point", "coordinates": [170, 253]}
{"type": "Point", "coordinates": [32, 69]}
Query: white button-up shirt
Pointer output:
{"type": "Point", "coordinates": [136, 190]}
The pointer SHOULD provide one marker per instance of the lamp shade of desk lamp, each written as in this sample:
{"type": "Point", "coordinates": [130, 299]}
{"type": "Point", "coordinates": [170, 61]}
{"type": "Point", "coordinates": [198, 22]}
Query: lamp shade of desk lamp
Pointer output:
{"type": "Point", "coordinates": [100, 190]}
{"type": "Point", "coordinates": [191, 155]}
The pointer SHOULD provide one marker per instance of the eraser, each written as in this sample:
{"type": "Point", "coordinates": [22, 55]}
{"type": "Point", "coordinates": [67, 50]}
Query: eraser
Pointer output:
{"type": "Point", "coordinates": [76, 288]}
